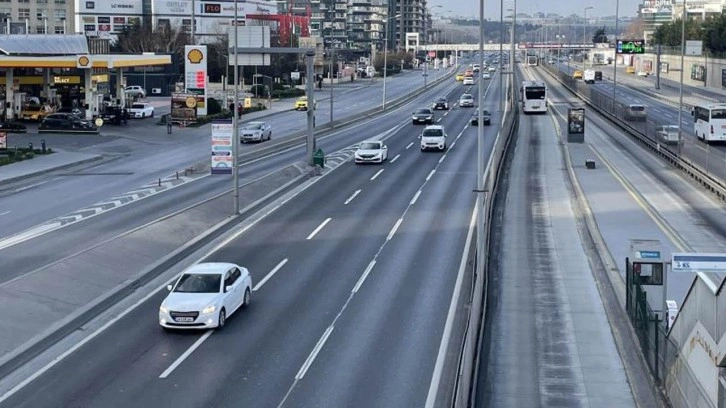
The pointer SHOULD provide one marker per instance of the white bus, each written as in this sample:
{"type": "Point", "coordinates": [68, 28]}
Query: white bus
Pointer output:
{"type": "Point", "coordinates": [534, 97]}
{"type": "Point", "coordinates": [532, 60]}
{"type": "Point", "coordinates": [710, 121]}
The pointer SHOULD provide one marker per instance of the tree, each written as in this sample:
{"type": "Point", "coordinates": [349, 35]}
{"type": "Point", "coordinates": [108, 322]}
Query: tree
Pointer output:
{"type": "Point", "coordinates": [636, 29]}
{"type": "Point", "coordinates": [714, 34]}
{"type": "Point", "coordinates": [670, 34]}
{"type": "Point", "coordinates": [137, 38]}
{"type": "Point", "coordinates": [600, 36]}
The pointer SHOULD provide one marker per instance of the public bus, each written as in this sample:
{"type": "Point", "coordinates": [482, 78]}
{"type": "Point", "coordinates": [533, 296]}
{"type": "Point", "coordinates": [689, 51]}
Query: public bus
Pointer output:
{"type": "Point", "coordinates": [534, 97]}
{"type": "Point", "coordinates": [710, 121]}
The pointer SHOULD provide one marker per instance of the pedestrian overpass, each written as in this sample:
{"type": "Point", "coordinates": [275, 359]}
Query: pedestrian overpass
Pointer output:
{"type": "Point", "coordinates": [505, 47]}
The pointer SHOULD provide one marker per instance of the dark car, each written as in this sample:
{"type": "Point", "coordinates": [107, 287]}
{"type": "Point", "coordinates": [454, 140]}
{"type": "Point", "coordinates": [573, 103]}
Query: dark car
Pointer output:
{"type": "Point", "coordinates": [423, 115]}
{"type": "Point", "coordinates": [441, 103]}
{"type": "Point", "coordinates": [65, 122]}
{"type": "Point", "coordinates": [75, 111]}
{"type": "Point", "coordinates": [115, 115]}
{"type": "Point", "coordinates": [486, 117]}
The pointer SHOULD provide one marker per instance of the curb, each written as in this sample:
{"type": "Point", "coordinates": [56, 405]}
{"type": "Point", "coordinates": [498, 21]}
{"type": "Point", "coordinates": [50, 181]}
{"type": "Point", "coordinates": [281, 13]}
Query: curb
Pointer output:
{"type": "Point", "coordinates": [41, 342]}
{"type": "Point", "coordinates": [50, 169]}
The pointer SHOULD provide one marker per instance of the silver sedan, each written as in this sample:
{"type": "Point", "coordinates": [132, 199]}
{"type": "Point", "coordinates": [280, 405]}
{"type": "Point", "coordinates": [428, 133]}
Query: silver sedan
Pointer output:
{"type": "Point", "coordinates": [255, 132]}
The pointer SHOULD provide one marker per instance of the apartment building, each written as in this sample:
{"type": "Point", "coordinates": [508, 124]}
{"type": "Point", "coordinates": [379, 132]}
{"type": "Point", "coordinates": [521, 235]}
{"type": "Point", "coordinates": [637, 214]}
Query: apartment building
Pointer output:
{"type": "Point", "coordinates": [414, 17]}
{"type": "Point", "coordinates": [366, 23]}
{"type": "Point", "coordinates": [36, 16]}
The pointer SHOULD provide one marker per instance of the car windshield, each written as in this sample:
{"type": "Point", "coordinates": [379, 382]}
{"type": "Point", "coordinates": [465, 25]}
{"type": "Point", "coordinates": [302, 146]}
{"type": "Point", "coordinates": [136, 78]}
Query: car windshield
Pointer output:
{"type": "Point", "coordinates": [137, 106]}
{"type": "Point", "coordinates": [370, 146]}
{"type": "Point", "coordinates": [432, 132]}
{"type": "Point", "coordinates": [467, 96]}
{"type": "Point", "coordinates": [441, 100]}
{"type": "Point", "coordinates": [637, 108]}
{"type": "Point", "coordinates": [253, 126]}
{"type": "Point", "coordinates": [198, 283]}
{"type": "Point", "coordinates": [423, 112]}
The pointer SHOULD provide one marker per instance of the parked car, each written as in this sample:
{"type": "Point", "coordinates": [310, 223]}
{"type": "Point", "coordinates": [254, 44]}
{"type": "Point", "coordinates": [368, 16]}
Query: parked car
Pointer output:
{"type": "Point", "coordinates": [114, 115]}
{"type": "Point", "coordinates": [667, 134]}
{"type": "Point", "coordinates": [141, 110]}
{"type": "Point", "coordinates": [441, 103]}
{"type": "Point", "coordinates": [65, 122]}
{"type": "Point", "coordinates": [433, 137]}
{"type": "Point", "coordinates": [486, 118]}
{"type": "Point", "coordinates": [75, 111]}
{"type": "Point", "coordinates": [635, 111]}
{"type": "Point", "coordinates": [205, 295]}
{"type": "Point", "coordinates": [255, 132]}
{"type": "Point", "coordinates": [466, 100]}
{"type": "Point", "coordinates": [135, 91]}
{"type": "Point", "coordinates": [371, 151]}
{"type": "Point", "coordinates": [424, 115]}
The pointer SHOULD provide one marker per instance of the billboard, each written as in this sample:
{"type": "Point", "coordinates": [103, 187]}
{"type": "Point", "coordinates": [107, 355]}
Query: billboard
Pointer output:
{"type": "Point", "coordinates": [117, 7]}
{"type": "Point", "coordinates": [222, 139]}
{"type": "Point", "coordinates": [219, 8]}
{"type": "Point", "coordinates": [183, 108]}
{"type": "Point", "coordinates": [630, 47]}
{"type": "Point", "coordinates": [195, 75]}
{"type": "Point", "coordinates": [576, 125]}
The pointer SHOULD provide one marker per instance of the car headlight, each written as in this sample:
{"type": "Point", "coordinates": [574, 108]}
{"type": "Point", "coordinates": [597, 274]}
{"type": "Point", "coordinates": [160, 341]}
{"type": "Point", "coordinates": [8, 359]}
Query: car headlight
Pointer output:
{"type": "Point", "coordinates": [163, 309]}
{"type": "Point", "coordinates": [209, 309]}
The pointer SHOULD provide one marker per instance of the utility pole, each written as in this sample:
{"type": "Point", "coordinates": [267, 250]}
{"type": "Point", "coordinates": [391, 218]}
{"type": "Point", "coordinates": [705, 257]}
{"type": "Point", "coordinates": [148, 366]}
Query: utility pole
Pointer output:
{"type": "Point", "coordinates": [235, 120]}
{"type": "Point", "coordinates": [194, 22]}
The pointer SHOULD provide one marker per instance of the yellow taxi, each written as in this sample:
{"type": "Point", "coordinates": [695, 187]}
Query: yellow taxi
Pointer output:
{"type": "Point", "coordinates": [35, 112]}
{"type": "Point", "coordinates": [629, 70]}
{"type": "Point", "coordinates": [460, 76]}
{"type": "Point", "coordinates": [302, 103]}
{"type": "Point", "coordinates": [577, 74]}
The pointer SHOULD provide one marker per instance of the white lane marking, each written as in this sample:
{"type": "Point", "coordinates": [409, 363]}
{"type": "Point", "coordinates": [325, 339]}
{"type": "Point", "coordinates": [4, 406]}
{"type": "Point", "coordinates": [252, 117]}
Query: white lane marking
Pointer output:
{"type": "Point", "coordinates": [390, 161]}
{"type": "Point", "coordinates": [430, 174]}
{"type": "Point", "coordinates": [4, 213]}
{"type": "Point", "coordinates": [415, 197]}
{"type": "Point", "coordinates": [446, 336]}
{"type": "Point", "coordinates": [18, 190]}
{"type": "Point", "coordinates": [309, 361]}
{"type": "Point", "coordinates": [363, 277]}
{"type": "Point", "coordinates": [378, 173]}
{"type": "Point", "coordinates": [186, 354]}
{"type": "Point", "coordinates": [29, 234]}
{"type": "Point", "coordinates": [394, 229]}
{"type": "Point", "coordinates": [270, 275]}
{"type": "Point", "coordinates": [312, 234]}
{"type": "Point", "coordinates": [668, 115]}
{"type": "Point", "coordinates": [438, 120]}
{"type": "Point", "coordinates": [453, 144]}
{"type": "Point", "coordinates": [409, 145]}
{"type": "Point", "coordinates": [352, 197]}
{"type": "Point", "coordinates": [442, 158]}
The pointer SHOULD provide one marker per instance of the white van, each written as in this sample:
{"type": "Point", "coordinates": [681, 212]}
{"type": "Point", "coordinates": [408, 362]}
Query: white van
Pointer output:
{"type": "Point", "coordinates": [433, 137]}
{"type": "Point", "coordinates": [589, 76]}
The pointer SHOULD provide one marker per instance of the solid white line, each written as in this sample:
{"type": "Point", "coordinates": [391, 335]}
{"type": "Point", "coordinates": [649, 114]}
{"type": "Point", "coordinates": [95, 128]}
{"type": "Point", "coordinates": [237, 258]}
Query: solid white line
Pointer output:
{"type": "Point", "coordinates": [309, 361]}
{"type": "Point", "coordinates": [351, 197]}
{"type": "Point", "coordinates": [378, 173]}
{"type": "Point", "coordinates": [390, 161]}
{"type": "Point", "coordinates": [29, 234]}
{"type": "Point", "coordinates": [430, 174]}
{"type": "Point", "coordinates": [415, 197]}
{"type": "Point", "coordinates": [312, 234]}
{"type": "Point", "coordinates": [394, 229]}
{"type": "Point", "coordinates": [186, 354]}
{"type": "Point", "coordinates": [446, 336]}
{"type": "Point", "coordinates": [5, 213]}
{"type": "Point", "coordinates": [442, 158]}
{"type": "Point", "coordinates": [363, 277]}
{"type": "Point", "coordinates": [409, 145]}
{"type": "Point", "coordinates": [270, 275]}
{"type": "Point", "coordinates": [453, 144]}
{"type": "Point", "coordinates": [18, 190]}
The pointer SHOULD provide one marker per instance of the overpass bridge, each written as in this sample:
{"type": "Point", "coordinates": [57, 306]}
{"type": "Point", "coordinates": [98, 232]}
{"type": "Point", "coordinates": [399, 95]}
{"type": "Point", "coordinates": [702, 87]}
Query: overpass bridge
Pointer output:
{"type": "Point", "coordinates": [506, 46]}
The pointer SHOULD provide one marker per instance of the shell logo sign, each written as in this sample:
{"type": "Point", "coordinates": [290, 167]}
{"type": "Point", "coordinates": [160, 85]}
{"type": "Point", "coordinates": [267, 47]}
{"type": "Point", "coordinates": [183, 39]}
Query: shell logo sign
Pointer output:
{"type": "Point", "coordinates": [83, 62]}
{"type": "Point", "coordinates": [195, 56]}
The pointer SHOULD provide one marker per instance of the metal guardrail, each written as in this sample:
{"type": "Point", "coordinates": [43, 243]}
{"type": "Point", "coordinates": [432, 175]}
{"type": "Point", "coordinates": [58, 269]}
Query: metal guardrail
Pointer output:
{"type": "Point", "coordinates": [669, 153]}
{"type": "Point", "coordinates": [468, 364]}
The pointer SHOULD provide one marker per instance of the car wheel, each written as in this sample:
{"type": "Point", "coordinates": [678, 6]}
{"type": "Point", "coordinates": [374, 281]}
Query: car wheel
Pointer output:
{"type": "Point", "coordinates": [143, 115]}
{"type": "Point", "coordinates": [152, 114]}
{"type": "Point", "coordinates": [246, 298]}
{"type": "Point", "coordinates": [222, 319]}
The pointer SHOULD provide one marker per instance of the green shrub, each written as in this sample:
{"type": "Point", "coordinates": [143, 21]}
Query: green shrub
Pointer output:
{"type": "Point", "coordinates": [288, 93]}
{"type": "Point", "coordinates": [259, 90]}
{"type": "Point", "coordinates": [213, 106]}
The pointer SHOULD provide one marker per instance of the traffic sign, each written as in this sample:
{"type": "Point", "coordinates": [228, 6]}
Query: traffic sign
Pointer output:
{"type": "Point", "coordinates": [698, 262]}
{"type": "Point", "coordinates": [630, 47]}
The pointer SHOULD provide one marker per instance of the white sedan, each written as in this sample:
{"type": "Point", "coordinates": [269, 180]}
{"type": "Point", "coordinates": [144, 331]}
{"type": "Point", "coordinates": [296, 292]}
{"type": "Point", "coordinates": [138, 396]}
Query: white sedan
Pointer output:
{"type": "Point", "coordinates": [371, 152]}
{"type": "Point", "coordinates": [141, 110]}
{"type": "Point", "coordinates": [255, 132]}
{"type": "Point", "coordinates": [205, 295]}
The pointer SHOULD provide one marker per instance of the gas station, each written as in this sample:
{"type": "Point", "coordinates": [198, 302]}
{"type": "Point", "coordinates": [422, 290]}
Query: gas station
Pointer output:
{"type": "Point", "coordinates": [60, 70]}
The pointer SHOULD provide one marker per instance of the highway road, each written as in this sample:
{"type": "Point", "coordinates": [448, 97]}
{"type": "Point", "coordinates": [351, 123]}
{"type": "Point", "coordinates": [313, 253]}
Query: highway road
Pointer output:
{"type": "Point", "coordinates": [353, 278]}
{"type": "Point", "coordinates": [143, 152]}
{"type": "Point", "coordinates": [710, 157]}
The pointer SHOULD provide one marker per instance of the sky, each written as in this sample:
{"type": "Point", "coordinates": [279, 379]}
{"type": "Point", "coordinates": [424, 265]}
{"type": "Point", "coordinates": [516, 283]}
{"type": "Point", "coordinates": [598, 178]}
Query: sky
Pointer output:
{"type": "Point", "coordinates": [470, 8]}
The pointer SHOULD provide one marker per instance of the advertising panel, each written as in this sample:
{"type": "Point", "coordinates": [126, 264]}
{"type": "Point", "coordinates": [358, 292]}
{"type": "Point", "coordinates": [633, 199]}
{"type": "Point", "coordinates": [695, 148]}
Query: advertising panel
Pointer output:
{"type": "Point", "coordinates": [183, 107]}
{"type": "Point", "coordinates": [222, 139]}
{"type": "Point", "coordinates": [576, 125]}
{"type": "Point", "coordinates": [219, 8]}
{"type": "Point", "coordinates": [195, 75]}
{"type": "Point", "coordinates": [3, 140]}
{"type": "Point", "coordinates": [630, 47]}
{"type": "Point", "coordinates": [698, 72]}
{"type": "Point", "coordinates": [117, 7]}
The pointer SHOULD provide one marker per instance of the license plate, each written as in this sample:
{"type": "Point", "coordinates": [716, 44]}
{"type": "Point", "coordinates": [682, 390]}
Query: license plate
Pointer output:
{"type": "Point", "coordinates": [184, 319]}
{"type": "Point", "coordinates": [535, 106]}
{"type": "Point", "coordinates": [723, 126]}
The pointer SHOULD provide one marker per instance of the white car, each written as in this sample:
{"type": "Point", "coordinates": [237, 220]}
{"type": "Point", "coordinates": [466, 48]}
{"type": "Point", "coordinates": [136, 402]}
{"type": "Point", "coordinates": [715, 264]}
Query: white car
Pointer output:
{"type": "Point", "coordinates": [492, 68]}
{"type": "Point", "coordinates": [371, 151]}
{"type": "Point", "coordinates": [433, 137]}
{"type": "Point", "coordinates": [486, 75]}
{"type": "Point", "coordinates": [205, 295]}
{"type": "Point", "coordinates": [141, 111]}
{"type": "Point", "coordinates": [466, 100]}
{"type": "Point", "coordinates": [667, 134]}
{"type": "Point", "coordinates": [468, 81]}
{"type": "Point", "coordinates": [642, 74]}
{"type": "Point", "coordinates": [255, 132]}
{"type": "Point", "coordinates": [135, 91]}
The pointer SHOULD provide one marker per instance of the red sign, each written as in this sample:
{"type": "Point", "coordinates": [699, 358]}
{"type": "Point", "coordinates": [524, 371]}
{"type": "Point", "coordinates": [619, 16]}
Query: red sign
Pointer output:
{"type": "Point", "coordinates": [432, 54]}
{"type": "Point", "coordinates": [3, 140]}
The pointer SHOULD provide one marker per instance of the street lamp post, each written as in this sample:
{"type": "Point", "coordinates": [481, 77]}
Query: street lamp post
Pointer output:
{"type": "Point", "coordinates": [680, 87]}
{"type": "Point", "coordinates": [584, 34]}
{"type": "Point", "coordinates": [235, 119]}
{"type": "Point", "coordinates": [385, 58]}
{"type": "Point", "coordinates": [615, 57]}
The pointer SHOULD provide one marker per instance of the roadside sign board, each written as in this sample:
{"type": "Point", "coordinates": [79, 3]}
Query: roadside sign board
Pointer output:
{"type": "Point", "coordinates": [630, 47]}
{"type": "Point", "coordinates": [295, 75]}
{"type": "Point", "coordinates": [694, 47]}
{"type": "Point", "coordinates": [698, 262]}
{"type": "Point", "coordinates": [3, 140]}
{"type": "Point", "coordinates": [222, 139]}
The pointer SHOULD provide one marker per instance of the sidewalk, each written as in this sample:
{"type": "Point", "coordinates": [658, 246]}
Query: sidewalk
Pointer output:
{"type": "Point", "coordinates": [44, 164]}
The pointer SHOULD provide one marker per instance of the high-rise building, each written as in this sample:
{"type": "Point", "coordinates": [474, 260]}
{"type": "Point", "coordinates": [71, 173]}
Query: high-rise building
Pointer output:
{"type": "Point", "coordinates": [37, 17]}
{"type": "Point", "coordinates": [413, 18]}
{"type": "Point", "coordinates": [366, 22]}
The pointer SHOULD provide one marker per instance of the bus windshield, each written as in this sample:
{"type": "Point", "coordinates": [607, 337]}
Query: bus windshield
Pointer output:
{"type": "Point", "coordinates": [718, 114]}
{"type": "Point", "coordinates": [534, 92]}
